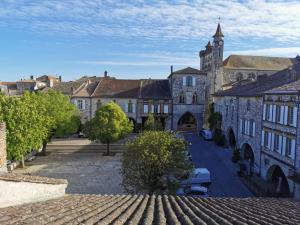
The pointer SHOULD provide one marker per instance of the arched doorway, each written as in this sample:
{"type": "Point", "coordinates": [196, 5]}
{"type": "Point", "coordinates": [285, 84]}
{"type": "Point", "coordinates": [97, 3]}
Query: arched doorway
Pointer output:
{"type": "Point", "coordinates": [248, 157]}
{"type": "Point", "coordinates": [187, 122]}
{"type": "Point", "coordinates": [231, 138]}
{"type": "Point", "coordinates": [279, 185]}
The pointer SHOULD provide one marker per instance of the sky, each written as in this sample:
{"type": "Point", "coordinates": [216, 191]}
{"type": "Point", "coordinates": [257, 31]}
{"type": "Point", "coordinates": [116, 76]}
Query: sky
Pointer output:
{"type": "Point", "coordinates": [136, 38]}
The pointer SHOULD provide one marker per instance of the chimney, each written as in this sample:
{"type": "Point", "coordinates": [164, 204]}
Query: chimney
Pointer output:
{"type": "Point", "coordinates": [105, 73]}
{"type": "Point", "coordinates": [171, 69]}
{"type": "Point", "coordinates": [31, 77]}
{"type": "Point", "coordinates": [3, 163]}
{"type": "Point", "coordinates": [59, 78]}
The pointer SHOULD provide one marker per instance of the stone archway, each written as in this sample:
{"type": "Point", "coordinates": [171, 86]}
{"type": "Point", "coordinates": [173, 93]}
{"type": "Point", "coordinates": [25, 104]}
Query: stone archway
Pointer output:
{"type": "Point", "coordinates": [231, 137]}
{"type": "Point", "coordinates": [187, 122]}
{"type": "Point", "coordinates": [248, 157]}
{"type": "Point", "coordinates": [278, 183]}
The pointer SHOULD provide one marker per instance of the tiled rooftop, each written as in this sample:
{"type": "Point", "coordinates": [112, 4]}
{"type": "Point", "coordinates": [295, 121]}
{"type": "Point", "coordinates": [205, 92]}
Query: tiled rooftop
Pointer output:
{"type": "Point", "coordinates": [31, 179]}
{"type": "Point", "coordinates": [144, 209]}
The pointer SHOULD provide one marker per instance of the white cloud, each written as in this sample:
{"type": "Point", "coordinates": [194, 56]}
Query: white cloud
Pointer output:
{"type": "Point", "coordinates": [277, 19]}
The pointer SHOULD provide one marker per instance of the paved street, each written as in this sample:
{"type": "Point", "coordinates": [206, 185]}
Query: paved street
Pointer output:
{"type": "Point", "coordinates": [225, 182]}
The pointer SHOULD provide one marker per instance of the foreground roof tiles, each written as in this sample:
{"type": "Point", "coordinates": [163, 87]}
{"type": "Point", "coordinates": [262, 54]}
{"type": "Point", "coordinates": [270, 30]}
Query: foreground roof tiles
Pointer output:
{"type": "Point", "coordinates": [144, 209]}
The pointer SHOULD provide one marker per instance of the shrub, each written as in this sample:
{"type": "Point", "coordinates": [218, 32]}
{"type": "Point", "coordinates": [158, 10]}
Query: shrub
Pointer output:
{"type": "Point", "coordinates": [218, 137]}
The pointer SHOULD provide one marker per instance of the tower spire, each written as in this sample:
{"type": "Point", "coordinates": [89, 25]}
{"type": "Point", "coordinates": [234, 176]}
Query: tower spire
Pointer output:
{"type": "Point", "coordinates": [218, 31]}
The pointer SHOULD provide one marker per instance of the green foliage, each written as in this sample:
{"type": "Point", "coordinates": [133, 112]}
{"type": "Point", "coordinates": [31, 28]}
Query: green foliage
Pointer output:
{"type": "Point", "coordinates": [152, 123]}
{"type": "Point", "coordinates": [219, 137]}
{"type": "Point", "coordinates": [152, 160]}
{"type": "Point", "coordinates": [110, 124]}
{"type": "Point", "coordinates": [33, 118]}
{"type": "Point", "coordinates": [214, 118]}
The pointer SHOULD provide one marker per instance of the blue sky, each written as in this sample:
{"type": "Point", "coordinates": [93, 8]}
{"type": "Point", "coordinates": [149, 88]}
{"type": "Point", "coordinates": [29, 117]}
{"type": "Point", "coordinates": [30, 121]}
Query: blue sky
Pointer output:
{"type": "Point", "coordinates": [136, 39]}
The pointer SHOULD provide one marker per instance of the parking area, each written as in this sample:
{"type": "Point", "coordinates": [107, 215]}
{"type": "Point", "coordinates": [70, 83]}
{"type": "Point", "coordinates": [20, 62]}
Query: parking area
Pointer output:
{"type": "Point", "coordinates": [225, 181]}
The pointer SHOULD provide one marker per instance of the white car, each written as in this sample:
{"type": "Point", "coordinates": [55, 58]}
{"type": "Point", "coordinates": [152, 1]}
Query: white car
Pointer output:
{"type": "Point", "coordinates": [194, 190]}
{"type": "Point", "coordinates": [206, 134]}
{"type": "Point", "coordinates": [199, 176]}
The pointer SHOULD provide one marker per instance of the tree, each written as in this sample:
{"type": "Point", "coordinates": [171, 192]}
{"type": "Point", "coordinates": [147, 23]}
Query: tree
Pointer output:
{"type": "Point", "coordinates": [214, 118]}
{"type": "Point", "coordinates": [109, 125]}
{"type": "Point", "coordinates": [24, 123]}
{"type": "Point", "coordinates": [152, 160]}
{"type": "Point", "coordinates": [152, 123]}
{"type": "Point", "coordinates": [61, 116]}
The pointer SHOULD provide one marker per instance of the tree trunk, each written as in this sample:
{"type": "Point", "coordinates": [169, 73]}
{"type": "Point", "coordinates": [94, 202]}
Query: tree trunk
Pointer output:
{"type": "Point", "coordinates": [44, 148]}
{"type": "Point", "coordinates": [107, 149]}
{"type": "Point", "coordinates": [22, 162]}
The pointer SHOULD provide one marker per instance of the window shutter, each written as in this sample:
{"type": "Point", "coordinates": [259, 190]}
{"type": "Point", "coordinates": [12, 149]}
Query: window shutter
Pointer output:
{"type": "Point", "coordinates": [272, 141]}
{"type": "Point", "coordinates": [184, 81]}
{"type": "Point", "coordinates": [283, 145]}
{"type": "Point", "coordinates": [194, 81]}
{"type": "Point", "coordinates": [262, 138]}
{"type": "Point", "coordinates": [281, 114]}
{"type": "Point", "coordinates": [264, 112]}
{"type": "Point", "coordinates": [133, 107]}
{"type": "Point", "coordinates": [241, 126]}
{"type": "Point", "coordinates": [253, 129]}
{"type": "Point", "coordinates": [83, 104]}
{"type": "Point", "coordinates": [270, 113]}
{"type": "Point", "coordinates": [152, 108]}
{"type": "Point", "coordinates": [269, 140]}
{"type": "Point", "coordinates": [158, 108]}
{"type": "Point", "coordinates": [293, 148]}
{"type": "Point", "coordinates": [126, 107]}
{"type": "Point", "coordinates": [295, 116]}
{"type": "Point", "coordinates": [285, 115]}
{"type": "Point", "coordinates": [280, 144]}
{"type": "Point", "coordinates": [248, 127]}
{"type": "Point", "coordinates": [274, 113]}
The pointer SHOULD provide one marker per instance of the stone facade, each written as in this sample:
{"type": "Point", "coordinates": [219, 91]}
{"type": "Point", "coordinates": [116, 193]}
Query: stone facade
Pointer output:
{"type": "Point", "coordinates": [183, 95]}
{"type": "Point", "coordinates": [3, 166]}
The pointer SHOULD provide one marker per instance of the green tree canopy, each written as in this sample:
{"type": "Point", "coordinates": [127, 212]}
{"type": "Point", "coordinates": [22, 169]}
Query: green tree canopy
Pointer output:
{"type": "Point", "coordinates": [152, 123]}
{"type": "Point", "coordinates": [109, 125]}
{"type": "Point", "coordinates": [151, 160]}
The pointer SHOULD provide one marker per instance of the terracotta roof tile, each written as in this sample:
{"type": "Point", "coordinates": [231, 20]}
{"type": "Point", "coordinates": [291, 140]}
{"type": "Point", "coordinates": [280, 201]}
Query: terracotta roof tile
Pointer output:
{"type": "Point", "coordinates": [155, 89]}
{"type": "Point", "coordinates": [257, 62]}
{"type": "Point", "coordinates": [144, 209]}
{"type": "Point", "coordinates": [115, 88]}
{"type": "Point", "coordinates": [31, 179]}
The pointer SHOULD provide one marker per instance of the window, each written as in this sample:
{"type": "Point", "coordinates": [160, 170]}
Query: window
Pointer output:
{"type": "Point", "coordinates": [156, 107]}
{"type": "Point", "coordinates": [99, 104]}
{"type": "Point", "coordinates": [243, 126]}
{"type": "Point", "coordinates": [195, 100]}
{"type": "Point", "coordinates": [278, 114]}
{"type": "Point", "coordinates": [130, 107]}
{"type": "Point", "coordinates": [146, 110]}
{"type": "Point", "coordinates": [288, 147]}
{"type": "Point", "coordinates": [266, 139]}
{"type": "Point", "coordinates": [181, 98]}
{"type": "Point", "coordinates": [239, 77]}
{"type": "Point", "coordinates": [80, 104]}
{"type": "Point", "coordinates": [276, 143]}
{"type": "Point", "coordinates": [252, 128]}
{"type": "Point", "coordinates": [189, 81]}
{"type": "Point", "coordinates": [166, 108]}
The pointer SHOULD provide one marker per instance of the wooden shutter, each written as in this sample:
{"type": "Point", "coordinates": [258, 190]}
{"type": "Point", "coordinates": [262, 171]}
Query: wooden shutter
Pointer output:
{"type": "Point", "coordinates": [248, 127]}
{"type": "Point", "coordinates": [272, 141]}
{"type": "Point", "coordinates": [152, 108]}
{"type": "Point", "coordinates": [280, 144]}
{"type": "Point", "coordinates": [83, 104]}
{"type": "Point", "coordinates": [253, 128]}
{"type": "Point", "coordinates": [194, 81]}
{"type": "Point", "coordinates": [274, 113]}
{"type": "Point", "coordinates": [262, 138]}
{"type": "Point", "coordinates": [295, 110]}
{"type": "Point", "coordinates": [126, 107]}
{"type": "Point", "coordinates": [184, 81]}
{"type": "Point", "coordinates": [285, 117]}
{"type": "Point", "coordinates": [281, 114]}
{"type": "Point", "coordinates": [158, 108]}
{"type": "Point", "coordinates": [133, 107]}
{"type": "Point", "coordinates": [264, 112]}
{"type": "Point", "coordinates": [241, 126]}
{"type": "Point", "coordinates": [293, 148]}
{"type": "Point", "coordinates": [269, 140]}
{"type": "Point", "coordinates": [283, 145]}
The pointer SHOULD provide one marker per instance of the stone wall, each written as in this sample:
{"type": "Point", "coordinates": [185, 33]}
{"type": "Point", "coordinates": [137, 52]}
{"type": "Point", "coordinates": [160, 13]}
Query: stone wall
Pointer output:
{"type": "Point", "coordinates": [3, 166]}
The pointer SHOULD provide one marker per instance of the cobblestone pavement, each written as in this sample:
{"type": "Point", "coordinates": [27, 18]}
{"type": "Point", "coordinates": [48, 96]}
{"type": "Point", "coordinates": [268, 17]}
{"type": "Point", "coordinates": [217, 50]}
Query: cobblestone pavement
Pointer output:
{"type": "Point", "coordinates": [225, 181]}
{"type": "Point", "coordinates": [86, 173]}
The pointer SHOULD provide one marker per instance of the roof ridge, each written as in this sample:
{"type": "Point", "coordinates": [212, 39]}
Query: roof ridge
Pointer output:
{"type": "Point", "coordinates": [93, 94]}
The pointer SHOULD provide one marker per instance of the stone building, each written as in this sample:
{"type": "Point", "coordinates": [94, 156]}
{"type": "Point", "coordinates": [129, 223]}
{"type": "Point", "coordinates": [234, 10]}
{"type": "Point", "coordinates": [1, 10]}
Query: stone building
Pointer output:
{"type": "Point", "coordinates": [259, 116]}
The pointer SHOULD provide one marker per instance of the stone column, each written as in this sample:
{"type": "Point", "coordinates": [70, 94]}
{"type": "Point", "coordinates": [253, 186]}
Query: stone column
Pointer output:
{"type": "Point", "coordinates": [3, 166]}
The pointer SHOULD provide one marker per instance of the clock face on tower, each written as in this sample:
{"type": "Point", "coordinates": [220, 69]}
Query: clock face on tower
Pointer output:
{"type": "Point", "coordinates": [220, 42]}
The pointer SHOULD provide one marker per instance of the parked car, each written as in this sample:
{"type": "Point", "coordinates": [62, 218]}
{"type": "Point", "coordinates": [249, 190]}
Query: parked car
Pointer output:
{"type": "Point", "coordinates": [194, 190]}
{"type": "Point", "coordinates": [199, 176]}
{"type": "Point", "coordinates": [206, 134]}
